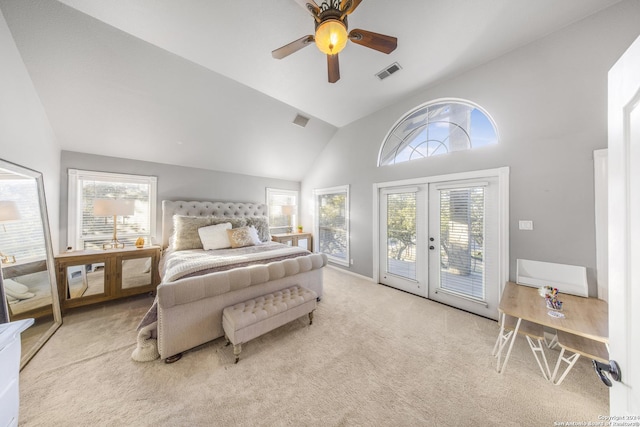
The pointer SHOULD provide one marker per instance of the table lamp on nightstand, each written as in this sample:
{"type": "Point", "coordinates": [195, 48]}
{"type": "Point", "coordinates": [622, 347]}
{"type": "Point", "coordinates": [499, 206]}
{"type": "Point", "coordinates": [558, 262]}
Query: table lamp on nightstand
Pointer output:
{"type": "Point", "coordinates": [115, 208]}
{"type": "Point", "coordinates": [8, 213]}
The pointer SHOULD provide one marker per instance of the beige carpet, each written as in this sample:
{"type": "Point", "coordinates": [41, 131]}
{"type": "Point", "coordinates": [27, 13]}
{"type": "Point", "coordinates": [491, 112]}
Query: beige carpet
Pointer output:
{"type": "Point", "coordinates": [374, 356]}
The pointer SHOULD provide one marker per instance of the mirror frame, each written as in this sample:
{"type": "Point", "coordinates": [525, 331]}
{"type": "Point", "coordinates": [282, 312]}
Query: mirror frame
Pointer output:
{"type": "Point", "coordinates": [28, 353]}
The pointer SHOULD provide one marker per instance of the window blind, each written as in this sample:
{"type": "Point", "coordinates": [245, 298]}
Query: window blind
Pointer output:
{"type": "Point", "coordinates": [462, 231]}
{"type": "Point", "coordinates": [401, 234]}
{"type": "Point", "coordinates": [24, 238]}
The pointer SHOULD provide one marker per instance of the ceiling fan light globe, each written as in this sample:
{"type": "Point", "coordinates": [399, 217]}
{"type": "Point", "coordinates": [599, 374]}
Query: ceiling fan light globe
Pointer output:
{"type": "Point", "coordinates": [331, 36]}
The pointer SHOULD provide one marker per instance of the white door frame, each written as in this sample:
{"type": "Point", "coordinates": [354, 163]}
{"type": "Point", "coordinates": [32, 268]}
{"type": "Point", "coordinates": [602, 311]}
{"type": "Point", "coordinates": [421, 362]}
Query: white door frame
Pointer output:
{"type": "Point", "coordinates": [503, 213]}
{"type": "Point", "coordinates": [601, 174]}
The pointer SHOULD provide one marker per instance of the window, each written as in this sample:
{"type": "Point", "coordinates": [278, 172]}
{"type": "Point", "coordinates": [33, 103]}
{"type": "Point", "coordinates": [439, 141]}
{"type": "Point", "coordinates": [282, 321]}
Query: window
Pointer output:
{"type": "Point", "coordinates": [332, 223]}
{"type": "Point", "coordinates": [283, 210]}
{"type": "Point", "coordinates": [22, 238]}
{"type": "Point", "coordinates": [89, 231]}
{"type": "Point", "coordinates": [437, 128]}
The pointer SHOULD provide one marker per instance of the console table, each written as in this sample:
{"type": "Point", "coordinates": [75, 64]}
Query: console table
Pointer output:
{"type": "Point", "coordinates": [93, 276]}
{"type": "Point", "coordinates": [294, 239]}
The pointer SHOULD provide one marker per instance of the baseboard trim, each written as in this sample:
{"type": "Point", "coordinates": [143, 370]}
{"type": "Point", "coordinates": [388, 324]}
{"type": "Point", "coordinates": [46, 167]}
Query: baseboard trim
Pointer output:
{"type": "Point", "coordinates": [342, 270]}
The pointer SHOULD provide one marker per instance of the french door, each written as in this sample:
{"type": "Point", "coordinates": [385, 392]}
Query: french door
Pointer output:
{"type": "Point", "coordinates": [402, 251]}
{"type": "Point", "coordinates": [440, 240]}
{"type": "Point", "coordinates": [463, 245]}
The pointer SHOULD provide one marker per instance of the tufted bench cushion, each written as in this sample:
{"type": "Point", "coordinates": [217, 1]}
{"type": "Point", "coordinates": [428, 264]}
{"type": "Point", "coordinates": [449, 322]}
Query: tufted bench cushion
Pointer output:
{"type": "Point", "coordinates": [250, 319]}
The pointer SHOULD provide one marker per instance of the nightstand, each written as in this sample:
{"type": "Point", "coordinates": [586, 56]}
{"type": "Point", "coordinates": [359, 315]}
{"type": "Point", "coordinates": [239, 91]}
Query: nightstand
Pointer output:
{"type": "Point", "coordinates": [10, 361]}
{"type": "Point", "coordinates": [294, 239]}
{"type": "Point", "coordinates": [93, 276]}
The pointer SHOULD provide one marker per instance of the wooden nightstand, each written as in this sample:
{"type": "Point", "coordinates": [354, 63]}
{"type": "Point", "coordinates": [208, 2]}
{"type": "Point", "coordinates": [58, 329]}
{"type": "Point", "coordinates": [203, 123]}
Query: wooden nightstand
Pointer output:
{"type": "Point", "coordinates": [294, 239]}
{"type": "Point", "coordinates": [92, 276]}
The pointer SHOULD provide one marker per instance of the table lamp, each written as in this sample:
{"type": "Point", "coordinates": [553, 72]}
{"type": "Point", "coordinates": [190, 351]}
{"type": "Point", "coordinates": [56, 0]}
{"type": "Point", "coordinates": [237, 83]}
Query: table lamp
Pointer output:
{"type": "Point", "coordinates": [287, 210]}
{"type": "Point", "coordinates": [8, 213]}
{"type": "Point", "coordinates": [115, 208]}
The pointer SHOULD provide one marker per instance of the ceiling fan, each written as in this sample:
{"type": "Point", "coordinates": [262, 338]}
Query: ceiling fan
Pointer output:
{"type": "Point", "coordinates": [331, 33]}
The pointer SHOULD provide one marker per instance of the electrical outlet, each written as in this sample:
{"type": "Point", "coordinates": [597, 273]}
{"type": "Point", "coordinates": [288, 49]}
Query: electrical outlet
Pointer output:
{"type": "Point", "coordinates": [351, 261]}
{"type": "Point", "coordinates": [525, 225]}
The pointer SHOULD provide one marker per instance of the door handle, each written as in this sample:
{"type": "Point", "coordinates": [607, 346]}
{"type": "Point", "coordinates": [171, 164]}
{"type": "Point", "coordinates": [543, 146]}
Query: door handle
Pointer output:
{"type": "Point", "coordinates": [612, 368]}
{"type": "Point", "coordinates": [432, 247]}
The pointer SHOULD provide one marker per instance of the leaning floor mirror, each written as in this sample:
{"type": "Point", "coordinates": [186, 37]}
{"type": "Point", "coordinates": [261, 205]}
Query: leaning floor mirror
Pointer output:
{"type": "Point", "coordinates": [28, 283]}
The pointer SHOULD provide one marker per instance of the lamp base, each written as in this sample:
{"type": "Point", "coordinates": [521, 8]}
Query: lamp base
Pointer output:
{"type": "Point", "coordinates": [114, 244]}
{"type": "Point", "coordinates": [8, 259]}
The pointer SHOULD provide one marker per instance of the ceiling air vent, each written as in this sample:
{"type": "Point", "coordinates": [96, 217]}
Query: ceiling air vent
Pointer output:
{"type": "Point", "coordinates": [301, 120]}
{"type": "Point", "coordinates": [389, 70]}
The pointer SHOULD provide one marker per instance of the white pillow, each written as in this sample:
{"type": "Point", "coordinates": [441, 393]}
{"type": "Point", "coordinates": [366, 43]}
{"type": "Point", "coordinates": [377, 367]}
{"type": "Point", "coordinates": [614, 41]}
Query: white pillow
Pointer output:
{"type": "Point", "coordinates": [253, 232]}
{"type": "Point", "coordinates": [215, 236]}
{"type": "Point", "coordinates": [16, 290]}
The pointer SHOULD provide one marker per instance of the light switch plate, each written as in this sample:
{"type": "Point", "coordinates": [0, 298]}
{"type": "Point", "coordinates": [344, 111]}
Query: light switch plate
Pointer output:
{"type": "Point", "coordinates": [526, 225]}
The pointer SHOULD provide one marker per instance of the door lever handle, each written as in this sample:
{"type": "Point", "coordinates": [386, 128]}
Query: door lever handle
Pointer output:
{"type": "Point", "coordinates": [612, 368]}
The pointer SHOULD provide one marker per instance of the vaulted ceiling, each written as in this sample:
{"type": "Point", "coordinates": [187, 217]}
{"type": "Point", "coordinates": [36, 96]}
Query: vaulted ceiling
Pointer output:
{"type": "Point", "coordinates": [193, 83]}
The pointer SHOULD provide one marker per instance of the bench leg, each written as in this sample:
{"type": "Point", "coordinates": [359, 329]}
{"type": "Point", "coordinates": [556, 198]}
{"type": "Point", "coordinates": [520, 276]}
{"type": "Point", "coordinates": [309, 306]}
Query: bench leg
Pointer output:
{"type": "Point", "coordinates": [311, 318]}
{"type": "Point", "coordinates": [237, 348]}
{"type": "Point", "coordinates": [571, 360]}
{"type": "Point", "coordinates": [546, 372]}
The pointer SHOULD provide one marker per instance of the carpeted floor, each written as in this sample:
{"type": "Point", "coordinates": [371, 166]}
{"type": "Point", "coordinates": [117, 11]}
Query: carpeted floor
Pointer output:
{"type": "Point", "coordinates": [374, 356]}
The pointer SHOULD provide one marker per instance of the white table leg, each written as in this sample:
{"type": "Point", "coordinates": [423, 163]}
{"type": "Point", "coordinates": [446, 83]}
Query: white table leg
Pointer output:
{"type": "Point", "coordinates": [503, 339]}
{"type": "Point", "coordinates": [539, 348]}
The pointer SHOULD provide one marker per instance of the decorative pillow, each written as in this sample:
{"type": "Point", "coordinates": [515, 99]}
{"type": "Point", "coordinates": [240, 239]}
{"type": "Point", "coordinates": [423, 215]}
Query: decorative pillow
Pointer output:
{"type": "Point", "coordinates": [215, 236]}
{"type": "Point", "coordinates": [186, 229]}
{"type": "Point", "coordinates": [254, 235]}
{"type": "Point", "coordinates": [16, 290]}
{"type": "Point", "coordinates": [241, 237]}
{"type": "Point", "coordinates": [261, 223]}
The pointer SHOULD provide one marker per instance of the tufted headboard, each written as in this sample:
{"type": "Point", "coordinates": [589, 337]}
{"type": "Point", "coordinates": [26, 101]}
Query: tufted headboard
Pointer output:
{"type": "Point", "coordinates": [224, 209]}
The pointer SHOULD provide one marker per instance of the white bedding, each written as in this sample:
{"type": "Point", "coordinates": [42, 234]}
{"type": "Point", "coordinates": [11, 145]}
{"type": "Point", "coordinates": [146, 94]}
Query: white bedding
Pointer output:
{"type": "Point", "coordinates": [179, 264]}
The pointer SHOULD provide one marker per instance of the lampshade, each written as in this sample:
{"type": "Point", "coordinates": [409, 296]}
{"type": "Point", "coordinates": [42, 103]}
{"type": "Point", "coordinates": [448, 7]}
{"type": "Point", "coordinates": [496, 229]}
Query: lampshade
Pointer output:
{"type": "Point", "coordinates": [110, 207]}
{"type": "Point", "coordinates": [331, 36]}
{"type": "Point", "coordinates": [9, 211]}
{"type": "Point", "coordinates": [287, 210]}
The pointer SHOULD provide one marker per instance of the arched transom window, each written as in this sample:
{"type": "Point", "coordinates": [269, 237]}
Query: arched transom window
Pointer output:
{"type": "Point", "coordinates": [437, 128]}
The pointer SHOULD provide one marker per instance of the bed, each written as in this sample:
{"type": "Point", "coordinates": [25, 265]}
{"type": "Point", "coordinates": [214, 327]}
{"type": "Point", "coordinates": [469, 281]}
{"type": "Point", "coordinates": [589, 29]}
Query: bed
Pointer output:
{"type": "Point", "coordinates": [187, 310]}
{"type": "Point", "coordinates": [27, 289]}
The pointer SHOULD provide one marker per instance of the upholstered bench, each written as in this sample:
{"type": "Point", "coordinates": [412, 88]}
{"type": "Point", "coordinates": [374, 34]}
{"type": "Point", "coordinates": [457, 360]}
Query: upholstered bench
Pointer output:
{"type": "Point", "coordinates": [250, 319]}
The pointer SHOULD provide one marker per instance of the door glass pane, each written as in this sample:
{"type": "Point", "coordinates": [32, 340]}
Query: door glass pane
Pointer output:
{"type": "Point", "coordinates": [136, 272]}
{"type": "Point", "coordinates": [401, 234]}
{"type": "Point", "coordinates": [462, 241]}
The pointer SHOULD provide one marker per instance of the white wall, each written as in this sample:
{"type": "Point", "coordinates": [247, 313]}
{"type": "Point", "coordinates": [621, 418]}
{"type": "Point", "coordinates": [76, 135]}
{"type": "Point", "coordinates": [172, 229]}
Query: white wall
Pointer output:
{"type": "Point", "coordinates": [549, 100]}
{"type": "Point", "coordinates": [26, 137]}
{"type": "Point", "coordinates": [174, 183]}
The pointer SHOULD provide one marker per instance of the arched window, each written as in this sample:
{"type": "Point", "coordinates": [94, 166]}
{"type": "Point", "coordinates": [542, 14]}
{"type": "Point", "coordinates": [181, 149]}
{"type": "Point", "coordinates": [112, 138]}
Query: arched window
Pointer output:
{"type": "Point", "coordinates": [436, 128]}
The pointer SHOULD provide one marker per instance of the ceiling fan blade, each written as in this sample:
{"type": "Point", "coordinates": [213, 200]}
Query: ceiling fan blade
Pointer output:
{"type": "Point", "coordinates": [348, 6]}
{"type": "Point", "coordinates": [311, 7]}
{"type": "Point", "coordinates": [292, 47]}
{"type": "Point", "coordinates": [379, 42]}
{"type": "Point", "coordinates": [334, 68]}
